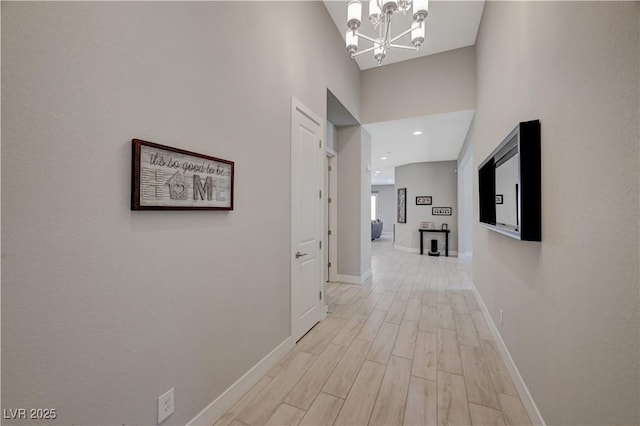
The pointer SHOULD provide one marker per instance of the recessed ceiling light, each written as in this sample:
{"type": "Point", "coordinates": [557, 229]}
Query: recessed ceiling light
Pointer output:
{"type": "Point", "coordinates": [383, 158]}
{"type": "Point", "coordinates": [417, 132]}
{"type": "Point", "coordinates": [377, 171]}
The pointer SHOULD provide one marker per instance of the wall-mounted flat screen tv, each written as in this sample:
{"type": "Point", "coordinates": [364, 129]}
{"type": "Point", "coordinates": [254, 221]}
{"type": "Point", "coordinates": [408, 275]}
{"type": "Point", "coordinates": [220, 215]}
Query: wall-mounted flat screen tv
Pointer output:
{"type": "Point", "coordinates": [509, 185]}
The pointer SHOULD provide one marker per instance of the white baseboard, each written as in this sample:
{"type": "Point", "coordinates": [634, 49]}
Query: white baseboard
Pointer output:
{"type": "Point", "coordinates": [221, 404]}
{"type": "Point", "coordinates": [518, 381]}
{"type": "Point", "coordinates": [353, 279]}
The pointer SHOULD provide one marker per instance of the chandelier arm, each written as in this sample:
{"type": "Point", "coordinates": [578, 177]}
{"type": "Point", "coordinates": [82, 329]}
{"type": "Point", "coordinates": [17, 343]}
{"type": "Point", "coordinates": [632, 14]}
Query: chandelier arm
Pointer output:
{"type": "Point", "coordinates": [363, 51]}
{"type": "Point", "coordinates": [401, 35]}
{"type": "Point", "coordinates": [366, 37]}
{"type": "Point", "coordinates": [398, 46]}
{"type": "Point", "coordinates": [387, 30]}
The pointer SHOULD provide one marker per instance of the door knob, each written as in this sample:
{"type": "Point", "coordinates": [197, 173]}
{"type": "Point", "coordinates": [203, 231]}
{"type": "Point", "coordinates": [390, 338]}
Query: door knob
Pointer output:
{"type": "Point", "coordinates": [299, 255]}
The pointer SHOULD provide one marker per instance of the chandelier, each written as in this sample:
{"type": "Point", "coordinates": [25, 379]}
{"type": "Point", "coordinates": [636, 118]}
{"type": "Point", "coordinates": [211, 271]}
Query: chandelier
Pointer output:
{"type": "Point", "coordinates": [380, 14]}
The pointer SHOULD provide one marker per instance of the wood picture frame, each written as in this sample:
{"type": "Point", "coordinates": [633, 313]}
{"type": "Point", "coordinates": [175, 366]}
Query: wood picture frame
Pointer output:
{"type": "Point", "coordinates": [423, 200]}
{"type": "Point", "coordinates": [168, 178]}
{"type": "Point", "coordinates": [402, 205]}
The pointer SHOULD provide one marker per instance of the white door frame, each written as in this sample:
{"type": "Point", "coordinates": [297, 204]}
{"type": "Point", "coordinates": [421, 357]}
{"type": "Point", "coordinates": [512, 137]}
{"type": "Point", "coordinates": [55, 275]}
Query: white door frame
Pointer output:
{"type": "Point", "coordinates": [332, 159]}
{"type": "Point", "coordinates": [297, 106]}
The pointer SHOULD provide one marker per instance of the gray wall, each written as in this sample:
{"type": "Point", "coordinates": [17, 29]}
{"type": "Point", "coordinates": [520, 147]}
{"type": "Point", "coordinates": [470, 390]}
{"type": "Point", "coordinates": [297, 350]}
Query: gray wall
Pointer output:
{"type": "Point", "coordinates": [570, 302]}
{"type": "Point", "coordinates": [439, 180]}
{"type": "Point", "coordinates": [353, 145]}
{"type": "Point", "coordinates": [433, 84]}
{"type": "Point", "coordinates": [104, 309]}
{"type": "Point", "coordinates": [386, 205]}
{"type": "Point", "coordinates": [331, 135]}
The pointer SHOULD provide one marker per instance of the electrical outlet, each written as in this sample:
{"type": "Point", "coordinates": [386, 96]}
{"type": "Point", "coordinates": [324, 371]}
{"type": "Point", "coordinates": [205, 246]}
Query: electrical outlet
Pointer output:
{"type": "Point", "coordinates": [165, 405]}
{"type": "Point", "coordinates": [501, 317]}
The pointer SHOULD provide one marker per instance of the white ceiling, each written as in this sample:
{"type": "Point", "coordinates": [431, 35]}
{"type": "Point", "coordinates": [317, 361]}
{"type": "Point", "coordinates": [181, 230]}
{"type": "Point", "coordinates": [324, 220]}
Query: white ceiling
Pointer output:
{"type": "Point", "coordinates": [450, 25]}
{"type": "Point", "coordinates": [441, 140]}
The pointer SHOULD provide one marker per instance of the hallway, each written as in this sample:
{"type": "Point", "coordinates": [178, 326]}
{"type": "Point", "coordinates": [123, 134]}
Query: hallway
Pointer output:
{"type": "Point", "coordinates": [409, 347]}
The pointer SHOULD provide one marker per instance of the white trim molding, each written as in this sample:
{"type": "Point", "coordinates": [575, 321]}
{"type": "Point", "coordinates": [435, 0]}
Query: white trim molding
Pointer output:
{"type": "Point", "coordinates": [229, 397]}
{"type": "Point", "coordinates": [353, 279]}
{"type": "Point", "coordinates": [527, 400]}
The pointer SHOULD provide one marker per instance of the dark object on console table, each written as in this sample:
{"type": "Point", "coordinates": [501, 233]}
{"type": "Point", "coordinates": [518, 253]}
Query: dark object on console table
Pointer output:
{"type": "Point", "coordinates": [434, 248]}
{"type": "Point", "coordinates": [446, 239]}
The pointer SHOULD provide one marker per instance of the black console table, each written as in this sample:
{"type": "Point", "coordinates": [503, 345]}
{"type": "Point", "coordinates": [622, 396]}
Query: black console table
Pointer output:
{"type": "Point", "coordinates": [446, 239]}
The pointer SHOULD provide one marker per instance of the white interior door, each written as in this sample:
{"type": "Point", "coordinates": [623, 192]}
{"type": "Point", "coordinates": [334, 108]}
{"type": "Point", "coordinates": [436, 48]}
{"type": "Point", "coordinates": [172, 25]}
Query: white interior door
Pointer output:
{"type": "Point", "coordinates": [307, 157]}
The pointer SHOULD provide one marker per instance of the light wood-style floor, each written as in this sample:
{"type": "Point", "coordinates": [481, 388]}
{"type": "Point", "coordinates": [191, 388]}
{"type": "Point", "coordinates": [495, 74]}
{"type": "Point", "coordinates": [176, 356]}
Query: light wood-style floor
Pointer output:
{"type": "Point", "coordinates": [410, 347]}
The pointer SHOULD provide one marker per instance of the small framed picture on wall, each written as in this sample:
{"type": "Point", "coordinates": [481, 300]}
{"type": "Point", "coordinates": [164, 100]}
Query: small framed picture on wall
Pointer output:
{"type": "Point", "coordinates": [423, 200]}
{"type": "Point", "coordinates": [402, 205]}
{"type": "Point", "coordinates": [445, 227]}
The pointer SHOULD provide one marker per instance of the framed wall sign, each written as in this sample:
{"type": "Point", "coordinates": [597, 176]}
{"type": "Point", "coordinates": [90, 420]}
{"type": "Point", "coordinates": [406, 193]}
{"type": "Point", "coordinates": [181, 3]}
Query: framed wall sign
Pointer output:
{"type": "Point", "coordinates": [166, 178]}
{"type": "Point", "coordinates": [441, 211]}
{"type": "Point", "coordinates": [423, 200]}
{"type": "Point", "coordinates": [402, 205]}
{"type": "Point", "coordinates": [499, 199]}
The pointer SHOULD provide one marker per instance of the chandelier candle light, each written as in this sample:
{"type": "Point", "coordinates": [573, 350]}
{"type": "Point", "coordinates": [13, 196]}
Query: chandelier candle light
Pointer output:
{"type": "Point", "coordinates": [380, 14]}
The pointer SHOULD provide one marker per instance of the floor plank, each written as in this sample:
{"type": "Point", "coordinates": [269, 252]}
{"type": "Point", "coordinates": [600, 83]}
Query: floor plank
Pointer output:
{"type": "Point", "coordinates": [385, 301]}
{"type": "Point", "coordinates": [513, 410]}
{"type": "Point", "coordinates": [470, 298]}
{"type": "Point", "coordinates": [347, 295]}
{"type": "Point", "coordinates": [345, 372]}
{"type": "Point", "coordinates": [350, 330]}
{"type": "Point", "coordinates": [476, 377]}
{"type": "Point", "coordinates": [382, 346]}
{"type": "Point", "coordinates": [356, 409]}
{"type": "Point", "coordinates": [323, 411]}
{"type": "Point", "coordinates": [309, 386]}
{"type": "Point", "coordinates": [452, 400]}
{"type": "Point", "coordinates": [319, 337]}
{"type": "Point", "coordinates": [422, 403]}
{"type": "Point", "coordinates": [425, 357]}
{"type": "Point", "coordinates": [414, 307]}
{"type": "Point", "coordinates": [445, 317]}
{"type": "Point", "coordinates": [390, 404]}
{"type": "Point", "coordinates": [286, 415]}
{"type": "Point", "coordinates": [485, 416]}
{"type": "Point", "coordinates": [448, 352]}
{"type": "Point", "coordinates": [406, 341]}
{"type": "Point", "coordinates": [396, 311]}
{"type": "Point", "coordinates": [266, 402]}
{"type": "Point", "coordinates": [370, 328]}
{"type": "Point", "coordinates": [497, 370]}
{"type": "Point", "coordinates": [428, 318]}
{"type": "Point", "coordinates": [369, 303]}
{"type": "Point", "coordinates": [351, 307]}
{"type": "Point", "coordinates": [458, 303]}
{"type": "Point", "coordinates": [465, 330]}
{"type": "Point", "coordinates": [481, 325]}
{"type": "Point", "coordinates": [227, 418]}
